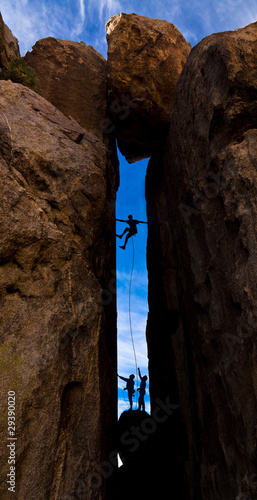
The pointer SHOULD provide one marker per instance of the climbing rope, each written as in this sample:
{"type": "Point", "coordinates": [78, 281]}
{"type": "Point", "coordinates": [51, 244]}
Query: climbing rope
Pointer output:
{"type": "Point", "coordinates": [130, 320]}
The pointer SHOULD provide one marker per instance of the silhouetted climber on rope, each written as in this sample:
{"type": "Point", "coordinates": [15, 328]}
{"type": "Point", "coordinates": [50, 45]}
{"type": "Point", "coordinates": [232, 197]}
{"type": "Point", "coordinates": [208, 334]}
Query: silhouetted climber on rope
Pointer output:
{"type": "Point", "coordinates": [141, 401]}
{"type": "Point", "coordinates": [129, 387]}
{"type": "Point", "coordinates": [131, 230]}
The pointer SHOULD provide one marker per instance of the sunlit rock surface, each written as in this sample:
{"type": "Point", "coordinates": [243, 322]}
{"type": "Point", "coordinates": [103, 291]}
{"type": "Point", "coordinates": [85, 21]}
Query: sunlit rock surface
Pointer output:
{"type": "Point", "coordinates": [145, 59]}
{"type": "Point", "coordinates": [72, 76]}
{"type": "Point", "coordinates": [9, 47]}
{"type": "Point", "coordinates": [58, 328]}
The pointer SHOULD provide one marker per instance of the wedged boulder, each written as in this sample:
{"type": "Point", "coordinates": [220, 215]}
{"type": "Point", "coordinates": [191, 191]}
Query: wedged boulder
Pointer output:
{"type": "Point", "coordinates": [202, 208]}
{"type": "Point", "coordinates": [72, 76]}
{"type": "Point", "coordinates": [145, 59]}
{"type": "Point", "coordinates": [9, 47]}
{"type": "Point", "coordinates": [58, 308]}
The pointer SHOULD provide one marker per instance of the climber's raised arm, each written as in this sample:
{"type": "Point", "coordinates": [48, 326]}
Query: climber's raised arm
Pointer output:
{"type": "Point", "coordinates": [123, 378]}
{"type": "Point", "coordinates": [120, 220]}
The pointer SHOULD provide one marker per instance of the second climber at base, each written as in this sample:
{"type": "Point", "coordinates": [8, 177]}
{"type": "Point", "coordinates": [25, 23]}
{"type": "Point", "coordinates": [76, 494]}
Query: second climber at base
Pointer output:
{"type": "Point", "coordinates": [131, 230]}
{"type": "Point", "coordinates": [141, 400]}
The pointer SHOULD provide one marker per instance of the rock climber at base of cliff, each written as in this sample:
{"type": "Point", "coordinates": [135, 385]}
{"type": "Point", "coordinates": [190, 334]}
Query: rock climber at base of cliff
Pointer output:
{"type": "Point", "coordinates": [141, 401]}
{"type": "Point", "coordinates": [129, 387]}
{"type": "Point", "coordinates": [131, 230]}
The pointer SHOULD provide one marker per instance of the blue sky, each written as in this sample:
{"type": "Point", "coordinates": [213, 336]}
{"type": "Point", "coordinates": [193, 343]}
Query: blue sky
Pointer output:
{"type": "Point", "coordinates": [84, 20]}
{"type": "Point", "coordinates": [131, 200]}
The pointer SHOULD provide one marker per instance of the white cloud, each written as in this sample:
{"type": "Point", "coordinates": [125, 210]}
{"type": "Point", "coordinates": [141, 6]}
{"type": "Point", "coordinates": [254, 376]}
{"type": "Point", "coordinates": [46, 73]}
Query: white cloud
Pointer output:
{"type": "Point", "coordinates": [161, 10]}
{"type": "Point", "coordinates": [139, 311]}
{"type": "Point", "coordinates": [82, 10]}
{"type": "Point", "coordinates": [108, 8]}
{"type": "Point", "coordinates": [79, 21]}
{"type": "Point", "coordinates": [104, 9]}
{"type": "Point", "coordinates": [139, 279]}
{"type": "Point", "coordinates": [125, 349]}
{"type": "Point", "coordinates": [31, 20]}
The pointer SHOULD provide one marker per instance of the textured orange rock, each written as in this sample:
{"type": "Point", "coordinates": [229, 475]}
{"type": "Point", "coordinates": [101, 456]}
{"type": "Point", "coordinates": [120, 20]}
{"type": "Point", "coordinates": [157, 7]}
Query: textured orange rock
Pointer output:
{"type": "Point", "coordinates": [72, 76]}
{"type": "Point", "coordinates": [57, 252]}
{"type": "Point", "coordinates": [145, 59]}
{"type": "Point", "coordinates": [202, 192]}
{"type": "Point", "coordinates": [9, 48]}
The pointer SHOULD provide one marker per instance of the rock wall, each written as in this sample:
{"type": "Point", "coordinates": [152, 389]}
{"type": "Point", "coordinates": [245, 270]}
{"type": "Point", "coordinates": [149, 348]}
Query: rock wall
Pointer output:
{"type": "Point", "coordinates": [57, 253]}
{"type": "Point", "coordinates": [145, 59]}
{"type": "Point", "coordinates": [9, 48]}
{"type": "Point", "coordinates": [201, 195]}
{"type": "Point", "coordinates": [58, 307]}
{"type": "Point", "coordinates": [72, 76]}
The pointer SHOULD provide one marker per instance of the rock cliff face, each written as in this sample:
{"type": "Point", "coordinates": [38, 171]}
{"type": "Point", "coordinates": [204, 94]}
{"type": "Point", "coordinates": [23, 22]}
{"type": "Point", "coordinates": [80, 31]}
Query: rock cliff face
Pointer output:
{"type": "Point", "coordinates": [202, 192]}
{"type": "Point", "coordinates": [9, 48]}
{"type": "Point", "coordinates": [145, 59]}
{"type": "Point", "coordinates": [58, 308]}
{"type": "Point", "coordinates": [57, 253]}
{"type": "Point", "coordinates": [72, 76]}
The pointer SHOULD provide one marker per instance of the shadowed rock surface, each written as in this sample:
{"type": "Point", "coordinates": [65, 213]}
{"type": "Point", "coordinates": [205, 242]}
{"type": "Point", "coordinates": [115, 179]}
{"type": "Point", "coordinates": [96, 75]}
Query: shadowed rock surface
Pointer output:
{"type": "Point", "coordinates": [72, 76]}
{"type": "Point", "coordinates": [9, 48]}
{"type": "Point", "coordinates": [202, 192]}
{"type": "Point", "coordinates": [144, 473]}
{"type": "Point", "coordinates": [58, 341]}
{"type": "Point", "coordinates": [145, 59]}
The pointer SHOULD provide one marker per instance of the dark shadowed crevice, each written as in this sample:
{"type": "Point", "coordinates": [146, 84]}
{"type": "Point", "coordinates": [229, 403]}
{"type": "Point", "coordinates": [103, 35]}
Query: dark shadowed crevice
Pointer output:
{"type": "Point", "coordinates": [153, 446]}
